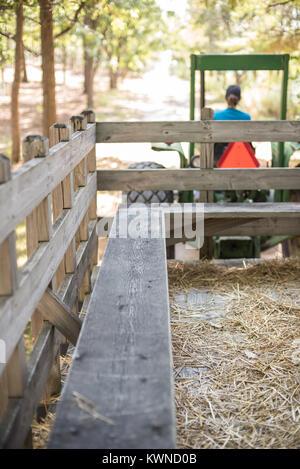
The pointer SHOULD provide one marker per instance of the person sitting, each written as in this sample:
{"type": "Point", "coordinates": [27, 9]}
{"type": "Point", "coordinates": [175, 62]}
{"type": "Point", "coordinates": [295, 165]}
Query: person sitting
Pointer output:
{"type": "Point", "coordinates": [233, 96]}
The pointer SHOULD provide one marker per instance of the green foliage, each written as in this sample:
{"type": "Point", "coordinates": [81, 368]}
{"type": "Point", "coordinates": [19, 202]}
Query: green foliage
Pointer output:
{"type": "Point", "coordinates": [128, 32]}
{"type": "Point", "coordinates": [245, 26]}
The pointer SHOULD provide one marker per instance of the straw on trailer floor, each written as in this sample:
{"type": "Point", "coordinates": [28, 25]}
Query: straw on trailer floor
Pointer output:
{"type": "Point", "coordinates": [236, 350]}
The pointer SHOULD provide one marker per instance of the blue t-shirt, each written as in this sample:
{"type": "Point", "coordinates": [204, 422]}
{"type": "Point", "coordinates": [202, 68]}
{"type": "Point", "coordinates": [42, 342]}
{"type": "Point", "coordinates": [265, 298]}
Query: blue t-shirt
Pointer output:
{"type": "Point", "coordinates": [231, 114]}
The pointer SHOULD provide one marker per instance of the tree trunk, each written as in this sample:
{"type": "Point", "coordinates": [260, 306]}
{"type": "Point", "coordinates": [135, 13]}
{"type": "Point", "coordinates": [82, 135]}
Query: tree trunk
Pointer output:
{"type": "Point", "coordinates": [113, 79]}
{"type": "Point", "coordinates": [85, 61]}
{"type": "Point", "coordinates": [89, 64]}
{"type": "Point", "coordinates": [15, 125]}
{"type": "Point", "coordinates": [90, 81]}
{"type": "Point", "coordinates": [49, 103]}
{"type": "Point", "coordinates": [24, 69]}
{"type": "Point", "coordinates": [64, 59]}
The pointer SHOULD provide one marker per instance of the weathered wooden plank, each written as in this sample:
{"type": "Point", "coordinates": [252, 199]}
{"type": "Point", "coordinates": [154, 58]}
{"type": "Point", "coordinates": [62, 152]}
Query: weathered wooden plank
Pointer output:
{"type": "Point", "coordinates": [287, 214]}
{"type": "Point", "coordinates": [8, 265]}
{"type": "Point", "coordinates": [8, 256]}
{"type": "Point", "coordinates": [198, 179]}
{"type": "Point", "coordinates": [16, 371]}
{"type": "Point", "coordinates": [240, 210]}
{"type": "Point", "coordinates": [243, 227]}
{"type": "Point", "coordinates": [91, 118]}
{"type": "Point", "coordinates": [62, 194]}
{"type": "Point", "coordinates": [253, 227]}
{"type": "Point", "coordinates": [60, 315]}
{"type": "Point", "coordinates": [198, 131]}
{"type": "Point", "coordinates": [34, 180]}
{"type": "Point", "coordinates": [13, 376]}
{"type": "Point", "coordinates": [37, 273]}
{"type": "Point", "coordinates": [119, 391]}
{"type": "Point", "coordinates": [79, 123]}
{"type": "Point", "coordinates": [20, 412]}
{"type": "Point", "coordinates": [206, 155]}
{"type": "Point", "coordinates": [3, 393]}
{"type": "Point", "coordinates": [69, 288]}
{"type": "Point", "coordinates": [206, 162]}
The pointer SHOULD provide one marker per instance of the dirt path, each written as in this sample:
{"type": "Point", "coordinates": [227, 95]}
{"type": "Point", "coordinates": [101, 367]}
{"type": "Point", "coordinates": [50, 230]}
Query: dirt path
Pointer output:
{"type": "Point", "coordinates": [154, 96]}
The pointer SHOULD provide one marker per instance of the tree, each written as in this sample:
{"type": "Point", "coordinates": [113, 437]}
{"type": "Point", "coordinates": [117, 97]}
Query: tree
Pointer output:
{"type": "Point", "coordinates": [48, 80]}
{"type": "Point", "coordinates": [132, 30]}
{"type": "Point", "coordinates": [15, 126]}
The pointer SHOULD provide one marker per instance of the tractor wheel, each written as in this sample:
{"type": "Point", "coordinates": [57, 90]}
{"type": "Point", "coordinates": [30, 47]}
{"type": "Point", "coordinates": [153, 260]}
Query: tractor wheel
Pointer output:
{"type": "Point", "coordinates": [148, 197]}
{"type": "Point", "coordinates": [151, 197]}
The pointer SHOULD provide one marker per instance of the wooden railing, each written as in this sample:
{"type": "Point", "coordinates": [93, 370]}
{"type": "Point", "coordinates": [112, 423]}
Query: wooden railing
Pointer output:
{"type": "Point", "coordinates": [55, 193]}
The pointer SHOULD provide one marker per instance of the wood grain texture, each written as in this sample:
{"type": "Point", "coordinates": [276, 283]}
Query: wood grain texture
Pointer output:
{"type": "Point", "coordinates": [8, 255]}
{"type": "Point", "coordinates": [122, 367]}
{"type": "Point", "coordinates": [15, 311]}
{"type": "Point", "coordinates": [20, 412]}
{"type": "Point", "coordinates": [245, 227]}
{"type": "Point", "coordinates": [60, 316]}
{"type": "Point", "coordinates": [34, 180]}
{"type": "Point", "coordinates": [198, 179]}
{"type": "Point", "coordinates": [206, 162]}
{"type": "Point", "coordinates": [198, 131]}
{"type": "Point", "coordinates": [240, 210]}
{"type": "Point", "coordinates": [14, 428]}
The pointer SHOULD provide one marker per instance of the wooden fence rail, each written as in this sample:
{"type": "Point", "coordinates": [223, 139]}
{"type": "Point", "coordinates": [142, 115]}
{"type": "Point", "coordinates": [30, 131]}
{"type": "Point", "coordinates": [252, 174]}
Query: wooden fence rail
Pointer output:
{"type": "Point", "coordinates": [198, 179]}
{"type": "Point", "coordinates": [198, 131]}
{"type": "Point", "coordinates": [55, 192]}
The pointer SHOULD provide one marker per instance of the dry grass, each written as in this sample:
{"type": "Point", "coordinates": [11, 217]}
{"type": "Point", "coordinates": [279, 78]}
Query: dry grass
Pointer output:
{"type": "Point", "coordinates": [237, 381]}
{"type": "Point", "coordinates": [41, 430]}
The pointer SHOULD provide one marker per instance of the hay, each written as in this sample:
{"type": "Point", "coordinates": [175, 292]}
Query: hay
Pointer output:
{"type": "Point", "coordinates": [237, 382]}
{"type": "Point", "coordinates": [41, 430]}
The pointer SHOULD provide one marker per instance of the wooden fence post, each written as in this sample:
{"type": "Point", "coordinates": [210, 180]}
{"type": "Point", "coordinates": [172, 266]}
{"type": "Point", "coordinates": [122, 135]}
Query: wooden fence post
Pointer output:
{"type": "Point", "coordinates": [63, 133]}
{"type": "Point", "coordinates": [39, 228]}
{"type": "Point", "coordinates": [91, 118]}
{"type": "Point", "coordinates": [13, 378]}
{"type": "Point", "coordinates": [206, 161]}
{"type": "Point", "coordinates": [79, 123]}
{"type": "Point", "coordinates": [39, 221]}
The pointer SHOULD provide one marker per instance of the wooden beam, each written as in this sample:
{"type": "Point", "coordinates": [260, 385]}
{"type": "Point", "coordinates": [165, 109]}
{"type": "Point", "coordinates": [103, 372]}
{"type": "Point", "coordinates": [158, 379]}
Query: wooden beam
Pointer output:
{"type": "Point", "coordinates": [15, 371]}
{"type": "Point", "coordinates": [234, 210]}
{"type": "Point", "coordinates": [69, 289]}
{"type": "Point", "coordinates": [34, 180]}
{"type": "Point", "coordinates": [198, 131]}
{"type": "Point", "coordinates": [60, 315]}
{"type": "Point", "coordinates": [20, 412]}
{"type": "Point", "coordinates": [244, 227]}
{"type": "Point", "coordinates": [8, 255]}
{"type": "Point", "coordinates": [206, 162]}
{"type": "Point", "coordinates": [119, 392]}
{"type": "Point", "coordinates": [197, 179]}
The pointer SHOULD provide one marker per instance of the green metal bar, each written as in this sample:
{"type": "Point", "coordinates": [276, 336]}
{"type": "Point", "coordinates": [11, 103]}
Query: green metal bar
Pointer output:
{"type": "Point", "coordinates": [192, 99]}
{"type": "Point", "coordinates": [283, 196]}
{"type": "Point", "coordinates": [273, 241]}
{"type": "Point", "coordinates": [202, 91]}
{"type": "Point", "coordinates": [240, 61]}
{"type": "Point", "coordinates": [283, 105]}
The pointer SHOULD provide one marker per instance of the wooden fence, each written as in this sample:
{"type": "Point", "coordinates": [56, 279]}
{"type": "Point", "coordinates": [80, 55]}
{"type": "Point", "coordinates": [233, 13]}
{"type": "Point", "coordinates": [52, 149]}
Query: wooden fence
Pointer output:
{"type": "Point", "coordinates": [128, 402]}
{"type": "Point", "coordinates": [54, 192]}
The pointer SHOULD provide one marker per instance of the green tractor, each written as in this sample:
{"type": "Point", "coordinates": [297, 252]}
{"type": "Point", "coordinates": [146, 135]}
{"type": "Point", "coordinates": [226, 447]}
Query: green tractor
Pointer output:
{"type": "Point", "coordinates": [227, 247]}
